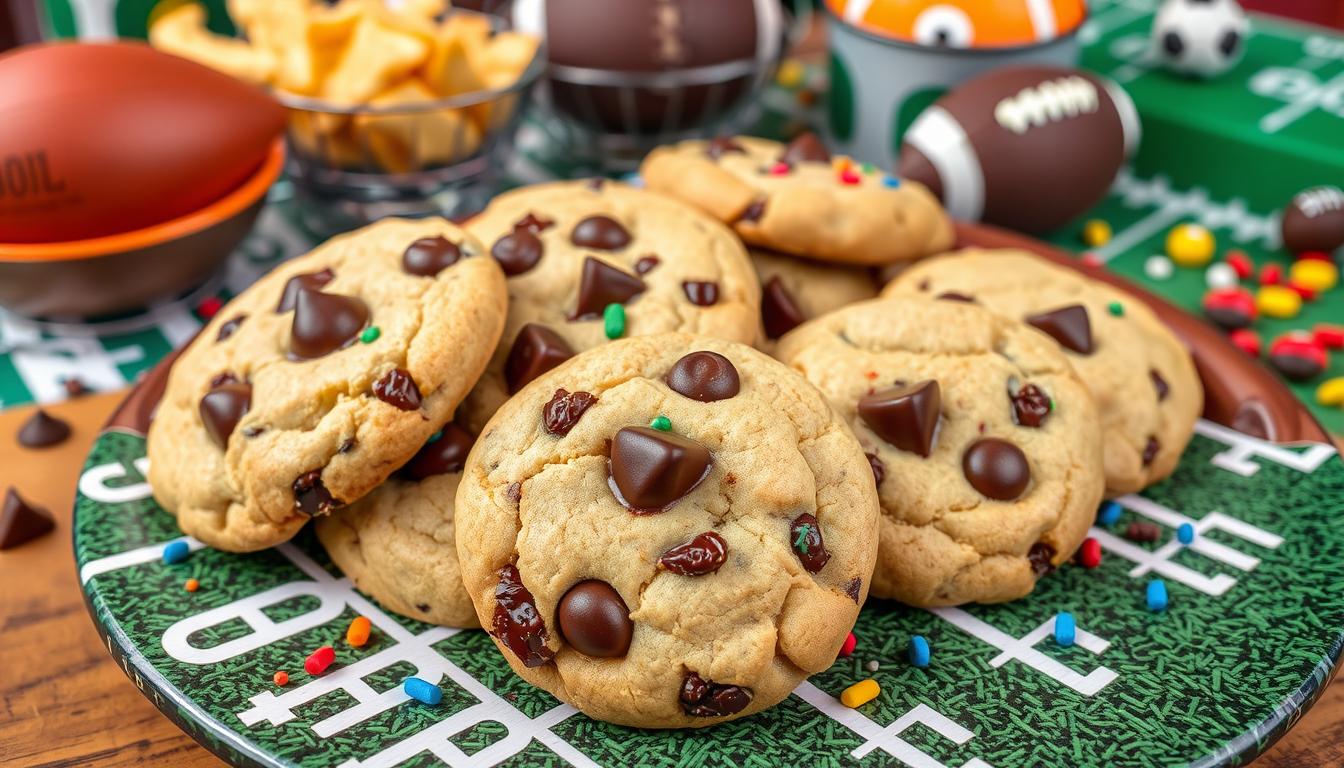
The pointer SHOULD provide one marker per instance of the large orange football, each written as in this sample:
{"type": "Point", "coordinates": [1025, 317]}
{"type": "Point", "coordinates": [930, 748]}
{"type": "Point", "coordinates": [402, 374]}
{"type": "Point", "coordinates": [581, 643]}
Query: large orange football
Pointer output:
{"type": "Point", "coordinates": [97, 139]}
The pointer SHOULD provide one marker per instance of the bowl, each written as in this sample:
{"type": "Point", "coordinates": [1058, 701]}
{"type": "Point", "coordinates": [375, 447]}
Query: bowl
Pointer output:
{"type": "Point", "coordinates": [131, 270]}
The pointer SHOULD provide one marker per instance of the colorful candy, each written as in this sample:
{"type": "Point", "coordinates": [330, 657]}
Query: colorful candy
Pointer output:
{"type": "Point", "coordinates": [1190, 245]}
{"type": "Point", "coordinates": [318, 661]}
{"type": "Point", "coordinates": [860, 693]}
{"type": "Point", "coordinates": [1140, 531]}
{"type": "Point", "coordinates": [1240, 263]}
{"type": "Point", "coordinates": [918, 651]}
{"type": "Point", "coordinates": [1278, 301]}
{"type": "Point", "coordinates": [1271, 274]}
{"type": "Point", "coordinates": [780, 169]}
{"type": "Point", "coordinates": [191, 585]}
{"type": "Point", "coordinates": [1089, 554]}
{"type": "Point", "coordinates": [1185, 533]}
{"type": "Point", "coordinates": [370, 334]}
{"type": "Point", "coordinates": [613, 321]}
{"type": "Point", "coordinates": [1220, 275]}
{"type": "Point", "coordinates": [848, 176]}
{"type": "Point", "coordinates": [1331, 392]}
{"type": "Point", "coordinates": [891, 182]}
{"type": "Point", "coordinates": [1158, 267]}
{"type": "Point", "coordinates": [422, 691]}
{"type": "Point", "coordinates": [790, 73]}
{"type": "Point", "coordinates": [1298, 357]}
{"type": "Point", "coordinates": [847, 649]}
{"type": "Point", "coordinates": [1116, 309]}
{"type": "Point", "coordinates": [281, 677]}
{"type": "Point", "coordinates": [1109, 513]}
{"type": "Point", "coordinates": [1230, 307]}
{"type": "Point", "coordinates": [357, 634]}
{"type": "Point", "coordinates": [1247, 341]}
{"type": "Point", "coordinates": [661, 423]}
{"type": "Point", "coordinates": [1065, 628]}
{"type": "Point", "coordinates": [176, 551]}
{"type": "Point", "coordinates": [1156, 595]}
{"type": "Point", "coordinates": [210, 307]}
{"type": "Point", "coordinates": [1096, 233]}
{"type": "Point", "coordinates": [872, 666]}
{"type": "Point", "coordinates": [1328, 336]}
{"type": "Point", "coordinates": [1315, 274]}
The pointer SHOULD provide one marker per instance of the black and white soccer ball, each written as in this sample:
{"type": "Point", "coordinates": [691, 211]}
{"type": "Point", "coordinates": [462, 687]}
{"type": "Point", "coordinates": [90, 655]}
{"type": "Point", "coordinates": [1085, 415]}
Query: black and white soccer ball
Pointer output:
{"type": "Point", "coordinates": [1199, 38]}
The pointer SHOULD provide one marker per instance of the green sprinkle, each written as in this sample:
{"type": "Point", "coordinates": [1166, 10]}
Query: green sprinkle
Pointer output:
{"type": "Point", "coordinates": [661, 423]}
{"type": "Point", "coordinates": [434, 438]}
{"type": "Point", "coordinates": [1116, 308]}
{"type": "Point", "coordinates": [370, 334]}
{"type": "Point", "coordinates": [868, 168]}
{"type": "Point", "coordinates": [613, 321]}
{"type": "Point", "coordinates": [1050, 404]}
{"type": "Point", "coordinates": [800, 543]}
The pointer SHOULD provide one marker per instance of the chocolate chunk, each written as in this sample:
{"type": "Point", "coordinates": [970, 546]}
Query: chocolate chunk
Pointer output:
{"type": "Point", "coordinates": [1030, 406]}
{"type": "Point", "coordinates": [1160, 384]}
{"type": "Point", "coordinates": [805, 538]}
{"type": "Point", "coordinates": [778, 309]}
{"type": "Point", "coordinates": [536, 350]}
{"type": "Point", "coordinates": [75, 387]}
{"type": "Point", "coordinates": [595, 183]}
{"type": "Point", "coordinates": [721, 145]}
{"type": "Point", "coordinates": [422, 607]}
{"type": "Point", "coordinates": [1150, 450]}
{"type": "Point", "coordinates": [312, 281]}
{"type": "Point", "coordinates": [514, 493]}
{"type": "Point", "coordinates": [602, 284]}
{"type": "Point", "coordinates": [311, 496]}
{"type": "Point", "coordinates": [701, 555]}
{"type": "Point", "coordinates": [853, 588]}
{"type": "Point", "coordinates": [222, 378]}
{"type": "Point", "coordinates": [517, 624]}
{"type": "Point", "coordinates": [700, 698]}
{"type": "Point", "coordinates": [905, 416]}
{"type": "Point", "coordinates": [429, 256]}
{"type": "Point", "coordinates": [1070, 326]}
{"type": "Point", "coordinates": [562, 412]}
{"type": "Point", "coordinates": [398, 389]}
{"type": "Point", "coordinates": [954, 296]}
{"type": "Point", "coordinates": [602, 233]}
{"type": "Point", "coordinates": [593, 618]}
{"type": "Point", "coordinates": [443, 456]}
{"type": "Point", "coordinates": [222, 408]}
{"type": "Point", "coordinates": [324, 323]}
{"type": "Point", "coordinates": [533, 223]}
{"type": "Point", "coordinates": [518, 251]}
{"type": "Point", "coordinates": [347, 445]}
{"type": "Point", "coordinates": [42, 430]}
{"type": "Point", "coordinates": [645, 264]}
{"type": "Point", "coordinates": [753, 212]}
{"type": "Point", "coordinates": [1140, 531]}
{"type": "Point", "coordinates": [996, 468]}
{"type": "Point", "coordinates": [879, 469]}
{"type": "Point", "coordinates": [229, 327]}
{"type": "Point", "coordinates": [652, 470]}
{"type": "Point", "coordinates": [1041, 556]}
{"type": "Point", "coordinates": [701, 294]}
{"type": "Point", "coordinates": [805, 148]}
{"type": "Point", "coordinates": [704, 376]}
{"type": "Point", "coordinates": [21, 522]}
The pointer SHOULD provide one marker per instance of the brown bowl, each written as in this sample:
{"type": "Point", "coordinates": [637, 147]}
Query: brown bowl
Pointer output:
{"type": "Point", "coordinates": [131, 270]}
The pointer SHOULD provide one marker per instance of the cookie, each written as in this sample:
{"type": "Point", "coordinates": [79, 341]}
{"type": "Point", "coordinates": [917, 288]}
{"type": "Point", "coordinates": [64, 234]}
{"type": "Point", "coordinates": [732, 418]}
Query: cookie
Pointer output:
{"type": "Point", "coordinates": [985, 445]}
{"type": "Point", "coordinates": [572, 249]}
{"type": "Point", "coordinates": [397, 543]}
{"type": "Point", "coordinates": [795, 290]}
{"type": "Point", "coordinates": [667, 531]}
{"type": "Point", "coordinates": [310, 387]}
{"type": "Point", "coordinates": [1141, 375]}
{"type": "Point", "coordinates": [794, 198]}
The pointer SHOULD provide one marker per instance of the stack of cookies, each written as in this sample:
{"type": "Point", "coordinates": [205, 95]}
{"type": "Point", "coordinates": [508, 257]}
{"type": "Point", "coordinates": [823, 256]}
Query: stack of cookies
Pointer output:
{"type": "Point", "coordinates": [552, 423]}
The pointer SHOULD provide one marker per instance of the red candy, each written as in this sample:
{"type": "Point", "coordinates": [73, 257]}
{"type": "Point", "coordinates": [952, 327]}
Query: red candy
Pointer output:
{"type": "Point", "coordinates": [1089, 554]}
{"type": "Point", "coordinates": [1315, 255]}
{"type": "Point", "coordinates": [1091, 259]}
{"type": "Point", "coordinates": [1240, 263]}
{"type": "Point", "coordinates": [319, 660]}
{"type": "Point", "coordinates": [1247, 341]}
{"type": "Point", "coordinates": [210, 307]}
{"type": "Point", "coordinates": [1271, 274]}
{"type": "Point", "coordinates": [779, 169]}
{"type": "Point", "coordinates": [1298, 356]}
{"type": "Point", "coordinates": [281, 678]}
{"type": "Point", "coordinates": [1230, 307]}
{"type": "Point", "coordinates": [848, 647]}
{"type": "Point", "coordinates": [848, 176]}
{"type": "Point", "coordinates": [1328, 336]}
{"type": "Point", "coordinates": [1306, 293]}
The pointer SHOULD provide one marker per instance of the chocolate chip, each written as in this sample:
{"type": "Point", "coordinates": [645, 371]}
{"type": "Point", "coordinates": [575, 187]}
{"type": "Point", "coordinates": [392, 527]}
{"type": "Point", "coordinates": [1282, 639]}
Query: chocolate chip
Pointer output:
{"type": "Point", "coordinates": [324, 323]}
{"type": "Point", "coordinates": [704, 376]}
{"type": "Point", "coordinates": [429, 256]}
{"type": "Point", "coordinates": [562, 411]}
{"type": "Point", "coordinates": [954, 296]}
{"type": "Point", "coordinates": [229, 326]}
{"type": "Point", "coordinates": [222, 378]}
{"type": "Point", "coordinates": [805, 538]}
{"type": "Point", "coordinates": [652, 470]}
{"type": "Point", "coordinates": [879, 469]}
{"type": "Point", "coordinates": [602, 284]}
{"type": "Point", "coordinates": [75, 387]}
{"type": "Point", "coordinates": [701, 294]}
{"type": "Point", "coordinates": [905, 416]}
{"type": "Point", "coordinates": [42, 430]}
{"type": "Point", "coordinates": [1150, 450]}
{"type": "Point", "coordinates": [700, 698]}
{"type": "Point", "coordinates": [602, 233]}
{"type": "Point", "coordinates": [312, 281]}
{"type": "Point", "coordinates": [1140, 531]}
{"type": "Point", "coordinates": [514, 493]}
{"type": "Point", "coordinates": [517, 624]}
{"type": "Point", "coordinates": [398, 389]}
{"type": "Point", "coordinates": [518, 251]}
{"type": "Point", "coordinates": [853, 588]}
{"type": "Point", "coordinates": [21, 522]}
{"type": "Point", "coordinates": [1070, 326]}
{"type": "Point", "coordinates": [536, 350]}
{"type": "Point", "coordinates": [595, 183]}
{"type": "Point", "coordinates": [996, 468]}
{"type": "Point", "coordinates": [347, 445]}
{"type": "Point", "coordinates": [1160, 384]}
{"type": "Point", "coordinates": [222, 408]}
{"type": "Point", "coordinates": [1042, 557]}
{"type": "Point", "coordinates": [805, 148]}
{"type": "Point", "coordinates": [701, 555]}
{"type": "Point", "coordinates": [753, 212]}
{"type": "Point", "coordinates": [444, 456]}
{"type": "Point", "coordinates": [1030, 406]}
{"type": "Point", "coordinates": [645, 264]}
{"type": "Point", "coordinates": [721, 145]}
{"type": "Point", "coordinates": [311, 496]}
{"type": "Point", "coordinates": [779, 311]}
{"type": "Point", "coordinates": [533, 223]}
{"type": "Point", "coordinates": [422, 607]}
{"type": "Point", "coordinates": [253, 431]}
{"type": "Point", "coordinates": [593, 618]}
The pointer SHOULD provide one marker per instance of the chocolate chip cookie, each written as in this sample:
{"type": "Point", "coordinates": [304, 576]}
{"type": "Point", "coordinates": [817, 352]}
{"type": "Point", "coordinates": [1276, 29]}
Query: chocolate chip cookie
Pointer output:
{"type": "Point", "coordinates": [397, 544]}
{"type": "Point", "coordinates": [797, 199]}
{"type": "Point", "coordinates": [310, 387]}
{"type": "Point", "coordinates": [794, 290]}
{"type": "Point", "coordinates": [1141, 375]}
{"type": "Point", "coordinates": [667, 531]}
{"type": "Point", "coordinates": [984, 444]}
{"type": "Point", "coordinates": [591, 261]}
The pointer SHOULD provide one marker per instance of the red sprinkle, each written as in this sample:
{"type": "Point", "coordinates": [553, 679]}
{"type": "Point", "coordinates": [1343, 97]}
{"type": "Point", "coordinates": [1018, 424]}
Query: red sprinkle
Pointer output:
{"type": "Point", "coordinates": [848, 647]}
{"type": "Point", "coordinates": [1240, 263]}
{"type": "Point", "coordinates": [319, 660]}
{"type": "Point", "coordinates": [210, 307]}
{"type": "Point", "coordinates": [780, 169]}
{"type": "Point", "coordinates": [1328, 336]}
{"type": "Point", "coordinates": [870, 374]}
{"type": "Point", "coordinates": [1271, 274]}
{"type": "Point", "coordinates": [1247, 341]}
{"type": "Point", "coordinates": [848, 176]}
{"type": "Point", "coordinates": [1089, 555]}
{"type": "Point", "coordinates": [281, 678]}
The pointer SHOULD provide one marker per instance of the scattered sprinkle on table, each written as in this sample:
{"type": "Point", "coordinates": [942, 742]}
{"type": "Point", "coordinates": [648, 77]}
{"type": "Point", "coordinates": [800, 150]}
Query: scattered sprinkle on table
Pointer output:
{"type": "Point", "coordinates": [1185, 534]}
{"type": "Point", "coordinates": [370, 334]}
{"type": "Point", "coordinates": [872, 666]}
{"type": "Point", "coordinates": [358, 632]}
{"type": "Point", "coordinates": [613, 321]}
{"type": "Point", "coordinates": [318, 661]}
{"type": "Point", "coordinates": [281, 677]}
{"type": "Point", "coordinates": [1157, 595]}
{"type": "Point", "coordinates": [1096, 233]}
{"type": "Point", "coordinates": [422, 691]}
{"type": "Point", "coordinates": [176, 551]}
{"type": "Point", "coordinates": [661, 423]}
{"type": "Point", "coordinates": [1158, 267]}
{"type": "Point", "coordinates": [191, 585]}
{"type": "Point", "coordinates": [919, 651]}
{"type": "Point", "coordinates": [860, 693]}
{"type": "Point", "coordinates": [1065, 628]}
{"type": "Point", "coordinates": [847, 649]}
{"type": "Point", "coordinates": [1278, 301]}
{"type": "Point", "coordinates": [1109, 514]}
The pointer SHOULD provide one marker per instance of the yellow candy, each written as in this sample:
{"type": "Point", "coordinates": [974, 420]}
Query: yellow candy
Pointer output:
{"type": "Point", "coordinates": [860, 693]}
{"type": "Point", "coordinates": [1096, 233]}
{"type": "Point", "coordinates": [790, 73]}
{"type": "Point", "coordinates": [1317, 274]}
{"type": "Point", "coordinates": [1278, 301]}
{"type": "Point", "coordinates": [1331, 392]}
{"type": "Point", "coordinates": [1190, 245]}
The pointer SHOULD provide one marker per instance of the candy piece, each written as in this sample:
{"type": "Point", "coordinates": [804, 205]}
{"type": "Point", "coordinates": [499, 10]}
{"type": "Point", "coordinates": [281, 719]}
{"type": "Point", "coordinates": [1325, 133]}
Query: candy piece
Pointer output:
{"type": "Point", "coordinates": [1315, 256]}
{"type": "Point", "coordinates": [780, 169]}
{"type": "Point", "coordinates": [1230, 308]}
{"type": "Point", "coordinates": [1297, 357]}
{"type": "Point", "coordinates": [1158, 267]}
{"type": "Point", "coordinates": [1314, 274]}
{"type": "Point", "coordinates": [1090, 259]}
{"type": "Point", "coordinates": [847, 649]}
{"type": "Point", "coordinates": [790, 73]}
{"type": "Point", "coordinates": [1065, 628]}
{"type": "Point", "coordinates": [1096, 233]}
{"type": "Point", "coordinates": [1240, 263]}
{"type": "Point", "coordinates": [1089, 554]}
{"type": "Point", "coordinates": [919, 651]}
{"type": "Point", "coordinates": [1247, 341]}
{"type": "Point", "coordinates": [318, 661]}
{"type": "Point", "coordinates": [42, 430]}
{"type": "Point", "coordinates": [1156, 595]}
{"type": "Point", "coordinates": [1271, 274]}
{"type": "Point", "coordinates": [176, 551]}
{"type": "Point", "coordinates": [848, 176]}
{"type": "Point", "coordinates": [1140, 531]}
{"type": "Point", "coordinates": [422, 691]}
{"type": "Point", "coordinates": [891, 182]}
{"type": "Point", "coordinates": [1278, 301]}
{"type": "Point", "coordinates": [661, 423]}
{"type": "Point", "coordinates": [1190, 245]}
{"type": "Point", "coordinates": [370, 334]}
{"type": "Point", "coordinates": [1220, 275]}
{"type": "Point", "coordinates": [357, 634]}
{"type": "Point", "coordinates": [21, 522]}
{"type": "Point", "coordinates": [613, 321]}
{"type": "Point", "coordinates": [1305, 292]}
{"type": "Point", "coordinates": [1328, 336]}
{"type": "Point", "coordinates": [860, 693]}
{"type": "Point", "coordinates": [281, 677]}
{"type": "Point", "coordinates": [1116, 309]}
{"type": "Point", "coordinates": [1109, 513]}
{"type": "Point", "coordinates": [210, 307]}
{"type": "Point", "coordinates": [872, 666]}
{"type": "Point", "coordinates": [191, 585]}
{"type": "Point", "coordinates": [1185, 534]}
{"type": "Point", "coordinates": [1331, 392]}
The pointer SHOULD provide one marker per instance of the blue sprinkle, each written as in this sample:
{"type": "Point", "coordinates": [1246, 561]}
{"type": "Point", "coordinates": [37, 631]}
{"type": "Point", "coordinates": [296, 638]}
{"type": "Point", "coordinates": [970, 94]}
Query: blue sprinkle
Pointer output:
{"type": "Point", "coordinates": [1157, 595]}
{"type": "Point", "coordinates": [176, 551]}
{"type": "Point", "coordinates": [434, 438]}
{"type": "Point", "coordinates": [633, 179]}
{"type": "Point", "coordinates": [891, 182]}
{"type": "Point", "coordinates": [919, 651]}
{"type": "Point", "coordinates": [1065, 628]}
{"type": "Point", "coordinates": [1186, 534]}
{"type": "Point", "coordinates": [1109, 514]}
{"type": "Point", "coordinates": [422, 691]}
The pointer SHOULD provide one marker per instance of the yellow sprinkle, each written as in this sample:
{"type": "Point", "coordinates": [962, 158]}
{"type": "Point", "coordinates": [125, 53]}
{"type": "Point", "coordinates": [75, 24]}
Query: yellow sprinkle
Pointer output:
{"type": "Point", "coordinates": [860, 693]}
{"type": "Point", "coordinates": [1317, 274]}
{"type": "Point", "coordinates": [1190, 245]}
{"type": "Point", "coordinates": [1331, 392]}
{"type": "Point", "coordinates": [790, 73]}
{"type": "Point", "coordinates": [1096, 233]}
{"type": "Point", "coordinates": [1278, 301]}
{"type": "Point", "coordinates": [358, 633]}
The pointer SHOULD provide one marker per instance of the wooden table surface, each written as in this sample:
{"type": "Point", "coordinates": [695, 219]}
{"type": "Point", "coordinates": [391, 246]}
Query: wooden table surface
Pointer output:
{"type": "Point", "coordinates": [65, 703]}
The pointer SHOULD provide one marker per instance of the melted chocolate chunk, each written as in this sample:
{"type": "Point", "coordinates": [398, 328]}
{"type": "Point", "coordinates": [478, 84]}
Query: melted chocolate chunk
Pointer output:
{"type": "Point", "coordinates": [652, 470]}
{"type": "Point", "coordinates": [954, 296]}
{"type": "Point", "coordinates": [645, 264]}
{"type": "Point", "coordinates": [311, 496]}
{"type": "Point", "coordinates": [516, 623]}
{"type": "Point", "coordinates": [805, 148]}
{"type": "Point", "coordinates": [905, 416]}
{"type": "Point", "coordinates": [1070, 326]}
{"type": "Point", "coordinates": [594, 620]}
{"type": "Point", "coordinates": [562, 411]}
{"type": "Point", "coordinates": [701, 294]}
{"type": "Point", "coordinates": [229, 326]}
{"type": "Point", "coordinates": [222, 408]}
{"type": "Point", "coordinates": [1041, 556]}
{"type": "Point", "coordinates": [996, 468]}
{"type": "Point", "coordinates": [429, 256]}
{"type": "Point", "coordinates": [222, 378]}
{"type": "Point", "coordinates": [721, 145]}
{"type": "Point", "coordinates": [805, 538]}
{"type": "Point", "coordinates": [518, 251]}
{"type": "Point", "coordinates": [444, 456]}
{"type": "Point", "coordinates": [602, 284]}
{"type": "Point", "coordinates": [601, 233]}
{"type": "Point", "coordinates": [1150, 450]}
{"type": "Point", "coordinates": [347, 445]}
{"type": "Point", "coordinates": [704, 376]}
{"type": "Point", "coordinates": [536, 350]}
{"type": "Point", "coordinates": [1030, 406]}
{"type": "Point", "coordinates": [324, 323]}
{"type": "Point", "coordinates": [701, 555]}
{"type": "Point", "coordinates": [312, 281]}
{"type": "Point", "coordinates": [853, 588]}
{"type": "Point", "coordinates": [398, 389]}
{"type": "Point", "coordinates": [1159, 384]}
{"type": "Point", "coordinates": [21, 522]}
{"type": "Point", "coordinates": [779, 311]}
{"type": "Point", "coordinates": [879, 469]}
{"type": "Point", "coordinates": [700, 698]}
{"type": "Point", "coordinates": [42, 430]}
{"type": "Point", "coordinates": [753, 212]}
{"type": "Point", "coordinates": [533, 223]}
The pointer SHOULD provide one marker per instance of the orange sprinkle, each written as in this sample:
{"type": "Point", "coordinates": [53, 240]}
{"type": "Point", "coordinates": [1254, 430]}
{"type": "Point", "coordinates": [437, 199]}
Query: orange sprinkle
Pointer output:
{"type": "Point", "coordinates": [192, 585]}
{"type": "Point", "coordinates": [358, 633]}
{"type": "Point", "coordinates": [870, 374]}
{"type": "Point", "coordinates": [281, 678]}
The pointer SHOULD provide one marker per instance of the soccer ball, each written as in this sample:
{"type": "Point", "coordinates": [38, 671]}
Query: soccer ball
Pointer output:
{"type": "Point", "coordinates": [1199, 38]}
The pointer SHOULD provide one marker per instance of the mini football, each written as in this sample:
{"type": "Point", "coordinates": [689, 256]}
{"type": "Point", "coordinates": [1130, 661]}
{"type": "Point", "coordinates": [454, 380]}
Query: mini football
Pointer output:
{"type": "Point", "coordinates": [1199, 38]}
{"type": "Point", "coordinates": [1028, 148]}
{"type": "Point", "coordinates": [1314, 220]}
{"type": "Point", "coordinates": [98, 139]}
